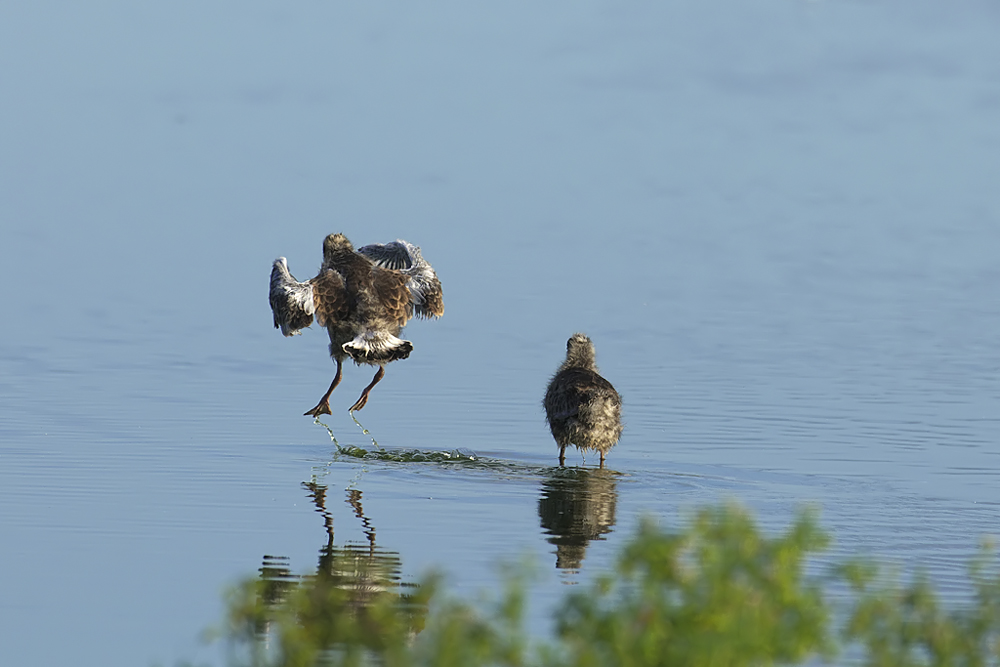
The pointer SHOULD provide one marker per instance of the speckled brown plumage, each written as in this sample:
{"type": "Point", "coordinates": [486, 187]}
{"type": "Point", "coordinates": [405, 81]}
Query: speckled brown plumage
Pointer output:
{"type": "Point", "coordinates": [364, 298]}
{"type": "Point", "coordinates": [582, 408]}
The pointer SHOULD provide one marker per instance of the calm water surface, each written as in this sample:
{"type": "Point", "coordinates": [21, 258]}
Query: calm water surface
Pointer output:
{"type": "Point", "coordinates": [778, 221]}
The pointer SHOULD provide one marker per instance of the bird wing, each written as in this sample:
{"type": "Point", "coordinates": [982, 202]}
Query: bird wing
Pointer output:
{"type": "Point", "coordinates": [391, 289]}
{"type": "Point", "coordinates": [397, 255]}
{"type": "Point", "coordinates": [421, 281]}
{"type": "Point", "coordinates": [565, 404]}
{"type": "Point", "coordinates": [574, 390]}
{"type": "Point", "coordinates": [330, 297]}
{"type": "Point", "coordinates": [291, 301]}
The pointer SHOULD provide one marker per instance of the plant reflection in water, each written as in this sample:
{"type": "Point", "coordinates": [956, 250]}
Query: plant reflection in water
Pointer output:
{"type": "Point", "coordinates": [577, 506]}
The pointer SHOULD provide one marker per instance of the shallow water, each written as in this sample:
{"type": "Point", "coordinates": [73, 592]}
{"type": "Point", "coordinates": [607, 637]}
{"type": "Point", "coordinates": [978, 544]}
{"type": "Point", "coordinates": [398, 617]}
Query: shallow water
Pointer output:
{"type": "Point", "coordinates": [777, 222]}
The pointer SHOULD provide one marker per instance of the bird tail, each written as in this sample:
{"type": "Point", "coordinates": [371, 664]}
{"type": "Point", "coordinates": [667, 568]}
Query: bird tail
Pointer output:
{"type": "Point", "coordinates": [377, 347]}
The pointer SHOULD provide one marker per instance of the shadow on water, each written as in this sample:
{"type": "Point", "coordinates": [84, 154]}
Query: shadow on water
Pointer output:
{"type": "Point", "coordinates": [577, 506]}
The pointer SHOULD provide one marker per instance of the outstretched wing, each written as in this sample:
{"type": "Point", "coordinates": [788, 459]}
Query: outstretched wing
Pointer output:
{"type": "Point", "coordinates": [421, 281]}
{"type": "Point", "coordinates": [393, 293]}
{"type": "Point", "coordinates": [291, 301]}
{"type": "Point", "coordinates": [397, 255]}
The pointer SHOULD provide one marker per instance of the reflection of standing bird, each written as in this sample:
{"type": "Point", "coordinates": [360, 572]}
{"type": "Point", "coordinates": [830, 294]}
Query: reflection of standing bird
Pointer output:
{"type": "Point", "coordinates": [363, 298]}
{"type": "Point", "coordinates": [582, 408]}
{"type": "Point", "coordinates": [577, 506]}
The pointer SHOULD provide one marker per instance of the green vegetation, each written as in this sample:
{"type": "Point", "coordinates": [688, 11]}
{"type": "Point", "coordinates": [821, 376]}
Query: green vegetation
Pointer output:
{"type": "Point", "coordinates": [715, 592]}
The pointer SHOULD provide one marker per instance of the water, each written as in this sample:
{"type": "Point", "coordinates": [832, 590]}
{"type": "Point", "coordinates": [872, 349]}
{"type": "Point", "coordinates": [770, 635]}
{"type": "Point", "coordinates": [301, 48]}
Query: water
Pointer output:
{"type": "Point", "coordinates": [777, 222]}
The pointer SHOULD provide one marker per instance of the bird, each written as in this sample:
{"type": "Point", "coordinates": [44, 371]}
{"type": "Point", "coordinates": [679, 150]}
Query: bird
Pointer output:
{"type": "Point", "coordinates": [581, 407]}
{"type": "Point", "coordinates": [363, 297]}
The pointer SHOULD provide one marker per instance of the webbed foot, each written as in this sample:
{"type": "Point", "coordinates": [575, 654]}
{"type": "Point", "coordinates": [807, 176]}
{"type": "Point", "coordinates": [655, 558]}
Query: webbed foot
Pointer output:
{"type": "Point", "coordinates": [322, 409]}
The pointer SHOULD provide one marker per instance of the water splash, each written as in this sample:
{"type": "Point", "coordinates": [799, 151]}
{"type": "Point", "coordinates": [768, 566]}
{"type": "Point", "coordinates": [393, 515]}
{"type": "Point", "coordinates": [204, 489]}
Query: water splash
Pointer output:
{"type": "Point", "coordinates": [365, 431]}
{"type": "Point", "coordinates": [460, 455]}
{"type": "Point", "coordinates": [328, 430]}
{"type": "Point", "coordinates": [379, 453]}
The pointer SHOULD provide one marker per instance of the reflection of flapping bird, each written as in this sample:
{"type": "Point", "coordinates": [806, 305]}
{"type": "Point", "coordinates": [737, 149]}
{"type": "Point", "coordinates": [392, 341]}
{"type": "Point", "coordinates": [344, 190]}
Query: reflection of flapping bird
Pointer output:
{"type": "Point", "coordinates": [276, 581]}
{"type": "Point", "coordinates": [577, 505]}
{"type": "Point", "coordinates": [363, 298]}
{"type": "Point", "coordinates": [365, 570]}
{"type": "Point", "coordinates": [582, 408]}
{"type": "Point", "coordinates": [348, 581]}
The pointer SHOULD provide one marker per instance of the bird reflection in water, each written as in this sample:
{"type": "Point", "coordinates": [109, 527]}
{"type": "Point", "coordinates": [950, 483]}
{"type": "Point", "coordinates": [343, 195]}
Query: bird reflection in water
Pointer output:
{"type": "Point", "coordinates": [577, 506]}
{"type": "Point", "coordinates": [353, 581]}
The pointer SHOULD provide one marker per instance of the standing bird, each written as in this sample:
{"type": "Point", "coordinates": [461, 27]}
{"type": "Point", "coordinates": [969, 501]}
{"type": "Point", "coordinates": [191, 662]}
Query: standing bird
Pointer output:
{"type": "Point", "coordinates": [363, 298]}
{"type": "Point", "coordinates": [582, 408]}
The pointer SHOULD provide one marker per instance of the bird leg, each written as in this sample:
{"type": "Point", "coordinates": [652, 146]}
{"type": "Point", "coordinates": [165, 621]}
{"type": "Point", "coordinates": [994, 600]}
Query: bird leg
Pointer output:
{"type": "Point", "coordinates": [364, 395]}
{"type": "Point", "coordinates": [323, 407]}
{"type": "Point", "coordinates": [562, 456]}
{"type": "Point", "coordinates": [602, 459]}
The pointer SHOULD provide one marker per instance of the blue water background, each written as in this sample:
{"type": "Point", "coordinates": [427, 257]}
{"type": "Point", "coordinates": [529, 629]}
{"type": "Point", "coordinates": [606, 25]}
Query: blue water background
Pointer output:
{"type": "Point", "coordinates": [777, 220]}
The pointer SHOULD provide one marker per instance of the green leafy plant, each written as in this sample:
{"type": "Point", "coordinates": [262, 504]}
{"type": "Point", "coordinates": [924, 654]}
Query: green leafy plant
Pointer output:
{"type": "Point", "coordinates": [905, 625]}
{"type": "Point", "coordinates": [716, 592]}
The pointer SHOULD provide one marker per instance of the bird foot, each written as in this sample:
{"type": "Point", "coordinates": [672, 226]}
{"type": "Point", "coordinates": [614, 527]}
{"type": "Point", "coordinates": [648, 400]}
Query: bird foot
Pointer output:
{"type": "Point", "coordinates": [322, 409]}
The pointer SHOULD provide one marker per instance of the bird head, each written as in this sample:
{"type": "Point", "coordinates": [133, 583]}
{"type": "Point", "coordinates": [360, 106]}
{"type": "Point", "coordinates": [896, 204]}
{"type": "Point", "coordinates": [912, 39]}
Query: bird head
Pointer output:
{"type": "Point", "coordinates": [336, 243]}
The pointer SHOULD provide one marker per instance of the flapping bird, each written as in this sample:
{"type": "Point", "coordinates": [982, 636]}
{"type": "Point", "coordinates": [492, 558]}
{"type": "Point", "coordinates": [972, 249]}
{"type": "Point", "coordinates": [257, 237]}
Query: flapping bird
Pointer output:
{"type": "Point", "coordinates": [582, 408]}
{"type": "Point", "coordinates": [363, 297]}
